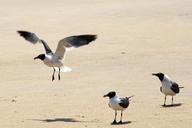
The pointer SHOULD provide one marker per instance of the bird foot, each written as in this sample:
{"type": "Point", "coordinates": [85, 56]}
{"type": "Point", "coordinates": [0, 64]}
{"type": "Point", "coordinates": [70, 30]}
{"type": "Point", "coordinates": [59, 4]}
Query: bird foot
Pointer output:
{"type": "Point", "coordinates": [114, 122]}
{"type": "Point", "coordinates": [120, 122]}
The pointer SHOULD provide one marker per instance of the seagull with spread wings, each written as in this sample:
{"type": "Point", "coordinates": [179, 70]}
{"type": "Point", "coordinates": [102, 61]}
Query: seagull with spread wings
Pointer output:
{"type": "Point", "coordinates": [55, 60]}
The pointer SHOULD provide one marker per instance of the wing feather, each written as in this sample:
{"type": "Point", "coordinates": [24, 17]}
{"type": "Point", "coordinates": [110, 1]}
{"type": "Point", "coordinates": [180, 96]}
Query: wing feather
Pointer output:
{"type": "Point", "coordinates": [175, 87]}
{"type": "Point", "coordinates": [73, 41]}
{"type": "Point", "coordinates": [33, 38]}
{"type": "Point", "coordinates": [124, 102]}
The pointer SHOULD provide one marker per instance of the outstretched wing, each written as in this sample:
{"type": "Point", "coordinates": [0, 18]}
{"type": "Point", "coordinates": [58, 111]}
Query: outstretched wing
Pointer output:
{"type": "Point", "coordinates": [73, 41]}
{"type": "Point", "coordinates": [33, 38]}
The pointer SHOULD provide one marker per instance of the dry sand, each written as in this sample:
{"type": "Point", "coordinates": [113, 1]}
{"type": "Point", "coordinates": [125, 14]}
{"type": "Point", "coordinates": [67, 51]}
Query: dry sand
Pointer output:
{"type": "Point", "coordinates": [135, 39]}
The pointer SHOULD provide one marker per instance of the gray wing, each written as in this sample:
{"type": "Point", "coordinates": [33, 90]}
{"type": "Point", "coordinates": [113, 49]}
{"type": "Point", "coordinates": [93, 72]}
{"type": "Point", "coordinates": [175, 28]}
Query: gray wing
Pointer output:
{"type": "Point", "coordinates": [124, 102]}
{"type": "Point", "coordinates": [73, 41]}
{"type": "Point", "coordinates": [32, 38]}
{"type": "Point", "coordinates": [175, 87]}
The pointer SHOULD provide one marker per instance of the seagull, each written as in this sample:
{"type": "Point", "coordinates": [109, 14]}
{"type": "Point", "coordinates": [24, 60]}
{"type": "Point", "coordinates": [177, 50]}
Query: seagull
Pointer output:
{"type": "Point", "coordinates": [55, 60]}
{"type": "Point", "coordinates": [117, 104]}
{"type": "Point", "coordinates": [168, 87]}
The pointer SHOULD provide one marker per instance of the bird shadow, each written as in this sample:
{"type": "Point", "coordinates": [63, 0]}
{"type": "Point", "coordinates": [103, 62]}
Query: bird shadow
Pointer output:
{"type": "Point", "coordinates": [172, 105]}
{"type": "Point", "coordinates": [123, 123]}
{"type": "Point", "coordinates": [57, 120]}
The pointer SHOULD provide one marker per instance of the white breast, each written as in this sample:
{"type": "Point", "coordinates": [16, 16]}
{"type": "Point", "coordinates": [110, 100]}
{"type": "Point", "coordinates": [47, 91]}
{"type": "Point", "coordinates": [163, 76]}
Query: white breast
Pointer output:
{"type": "Point", "coordinates": [52, 61]}
{"type": "Point", "coordinates": [114, 104]}
{"type": "Point", "coordinates": [166, 86]}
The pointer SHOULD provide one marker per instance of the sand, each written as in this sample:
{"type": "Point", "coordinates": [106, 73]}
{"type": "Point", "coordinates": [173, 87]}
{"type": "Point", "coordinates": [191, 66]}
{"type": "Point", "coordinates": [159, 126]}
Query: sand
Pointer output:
{"type": "Point", "coordinates": [135, 39]}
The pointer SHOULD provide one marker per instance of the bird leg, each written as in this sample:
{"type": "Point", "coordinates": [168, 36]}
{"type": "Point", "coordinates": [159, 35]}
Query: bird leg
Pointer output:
{"type": "Point", "coordinates": [120, 122]}
{"type": "Point", "coordinates": [172, 100]}
{"type": "Point", "coordinates": [53, 74]}
{"type": "Point", "coordinates": [59, 74]}
{"type": "Point", "coordinates": [114, 122]}
{"type": "Point", "coordinates": [164, 101]}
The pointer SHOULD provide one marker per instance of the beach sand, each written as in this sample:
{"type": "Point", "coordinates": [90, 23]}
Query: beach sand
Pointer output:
{"type": "Point", "coordinates": [135, 39]}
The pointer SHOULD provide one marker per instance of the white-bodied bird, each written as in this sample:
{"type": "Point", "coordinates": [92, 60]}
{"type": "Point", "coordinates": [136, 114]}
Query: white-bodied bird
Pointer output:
{"type": "Point", "coordinates": [117, 104]}
{"type": "Point", "coordinates": [55, 60]}
{"type": "Point", "coordinates": [168, 87]}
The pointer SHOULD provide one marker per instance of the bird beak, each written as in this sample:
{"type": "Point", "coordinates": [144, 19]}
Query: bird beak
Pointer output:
{"type": "Point", "coordinates": [36, 58]}
{"type": "Point", "coordinates": [154, 74]}
{"type": "Point", "coordinates": [105, 95]}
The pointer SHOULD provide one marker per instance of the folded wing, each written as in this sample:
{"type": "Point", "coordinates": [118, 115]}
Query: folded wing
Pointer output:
{"type": "Point", "coordinates": [175, 87]}
{"type": "Point", "coordinates": [124, 102]}
{"type": "Point", "coordinates": [73, 41]}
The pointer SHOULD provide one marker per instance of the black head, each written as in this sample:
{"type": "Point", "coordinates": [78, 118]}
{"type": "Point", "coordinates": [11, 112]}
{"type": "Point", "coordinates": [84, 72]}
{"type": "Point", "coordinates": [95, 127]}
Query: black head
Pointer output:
{"type": "Point", "coordinates": [159, 75]}
{"type": "Point", "coordinates": [110, 94]}
{"type": "Point", "coordinates": [41, 57]}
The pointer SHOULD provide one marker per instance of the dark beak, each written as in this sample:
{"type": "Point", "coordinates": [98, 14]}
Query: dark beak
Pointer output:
{"type": "Point", "coordinates": [154, 74]}
{"type": "Point", "coordinates": [36, 58]}
{"type": "Point", "coordinates": [105, 95]}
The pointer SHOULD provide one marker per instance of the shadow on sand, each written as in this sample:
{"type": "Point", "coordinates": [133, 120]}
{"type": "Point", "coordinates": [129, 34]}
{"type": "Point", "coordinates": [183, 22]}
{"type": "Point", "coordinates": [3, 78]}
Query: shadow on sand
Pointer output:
{"type": "Point", "coordinates": [123, 123]}
{"type": "Point", "coordinates": [171, 105]}
{"type": "Point", "coordinates": [58, 120]}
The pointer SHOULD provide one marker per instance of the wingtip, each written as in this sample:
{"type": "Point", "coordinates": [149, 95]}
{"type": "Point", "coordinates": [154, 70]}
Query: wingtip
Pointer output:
{"type": "Point", "coordinates": [19, 31]}
{"type": "Point", "coordinates": [92, 37]}
{"type": "Point", "coordinates": [29, 36]}
{"type": "Point", "coordinates": [95, 36]}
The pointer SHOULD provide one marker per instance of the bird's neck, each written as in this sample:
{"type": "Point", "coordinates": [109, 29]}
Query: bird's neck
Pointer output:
{"type": "Point", "coordinates": [166, 78]}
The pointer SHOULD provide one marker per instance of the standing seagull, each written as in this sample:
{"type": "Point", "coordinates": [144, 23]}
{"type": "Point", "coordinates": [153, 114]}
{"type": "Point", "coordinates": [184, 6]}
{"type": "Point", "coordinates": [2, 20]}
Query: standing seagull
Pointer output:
{"type": "Point", "coordinates": [54, 60]}
{"type": "Point", "coordinates": [117, 104]}
{"type": "Point", "coordinates": [168, 87]}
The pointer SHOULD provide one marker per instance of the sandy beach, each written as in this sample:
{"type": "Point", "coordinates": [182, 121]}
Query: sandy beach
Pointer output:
{"type": "Point", "coordinates": [135, 39]}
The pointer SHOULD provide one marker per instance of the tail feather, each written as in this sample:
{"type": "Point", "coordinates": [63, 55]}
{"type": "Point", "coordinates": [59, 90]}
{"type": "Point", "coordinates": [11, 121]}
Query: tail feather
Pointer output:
{"type": "Point", "coordinates": [129, 97]}
{"type": "Point", "coordinates": [63, 69]}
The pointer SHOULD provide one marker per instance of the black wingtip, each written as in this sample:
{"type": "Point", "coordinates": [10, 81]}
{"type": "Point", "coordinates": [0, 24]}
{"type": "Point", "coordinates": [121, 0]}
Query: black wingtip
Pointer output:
{"type": "Point", "coordinates": [94, 37]}
{"type": "Point", "coordinates": [90, 38]}
{"type": "Point", "coordinates": [31, 37]}
{"type": "Point", "coordinates": [20, 32]}
{"type": "Point", "coordinates": [23, 33]}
